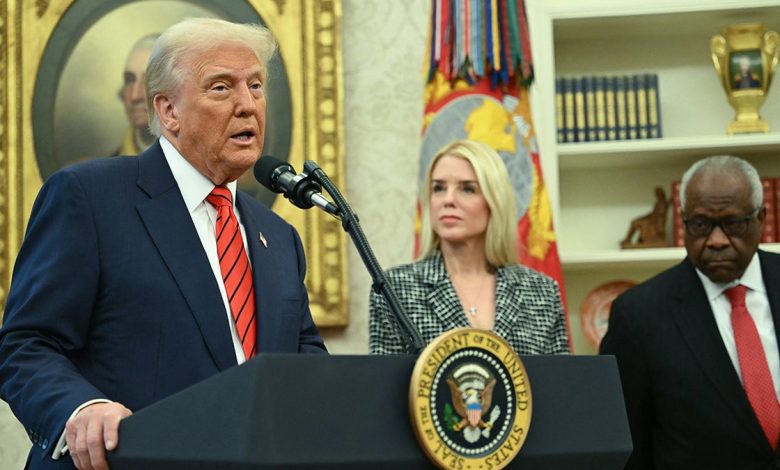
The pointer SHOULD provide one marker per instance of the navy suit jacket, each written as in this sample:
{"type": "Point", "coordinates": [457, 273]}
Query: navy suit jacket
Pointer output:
{"type": "Point", "coordinates": [113, 296]}
{"type": "Point", "coordinates": [686, 405]}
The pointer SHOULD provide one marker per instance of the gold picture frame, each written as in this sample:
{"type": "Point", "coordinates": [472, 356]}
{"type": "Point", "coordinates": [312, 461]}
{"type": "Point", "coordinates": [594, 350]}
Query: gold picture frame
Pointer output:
{"type": "Point", "coordinates": [309, 36]}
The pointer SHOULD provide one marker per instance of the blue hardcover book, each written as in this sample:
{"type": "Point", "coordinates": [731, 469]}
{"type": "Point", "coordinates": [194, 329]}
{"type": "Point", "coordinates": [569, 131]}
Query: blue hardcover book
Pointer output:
{"type": "Point", "coordinates": [621, 110]}
{"type": "Point", "coordinates": [589, 90]}
{"type": "Point", "coordinates": [601, 108]}
{"type": "Point", "coordinates": [631, 121]}
{"type": "Point", "coordinates": [560, 122]}
{"type": "Point", "coordinates": [580, 121]}
{"type": "Point", "coordinates": [653, 107]}
{"type": "Point", "coordinates": [610, 108]}
{"type": "Point", "coordinates": [640, 84]}
{"type": "Point", "coordinates": [570, 126]}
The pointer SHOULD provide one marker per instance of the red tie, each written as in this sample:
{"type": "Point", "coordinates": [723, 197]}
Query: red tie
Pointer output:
{"type": "Point", "coordinates": [752, 362]}
{"type": "Point", "coordinates": [236, 272]}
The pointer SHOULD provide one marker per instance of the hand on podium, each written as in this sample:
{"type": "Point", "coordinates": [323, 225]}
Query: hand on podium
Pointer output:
{"type": "Point", "coordinates": [93, 430]}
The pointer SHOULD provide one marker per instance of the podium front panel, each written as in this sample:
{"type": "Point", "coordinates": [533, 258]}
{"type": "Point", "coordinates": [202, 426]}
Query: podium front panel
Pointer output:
{"type": "Point", "coordinates": [307, 411]}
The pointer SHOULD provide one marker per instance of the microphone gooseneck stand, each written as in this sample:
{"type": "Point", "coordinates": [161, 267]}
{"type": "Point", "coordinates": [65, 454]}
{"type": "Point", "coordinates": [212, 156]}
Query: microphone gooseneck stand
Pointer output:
{"type": "Point", "coordinates": [349, 221]}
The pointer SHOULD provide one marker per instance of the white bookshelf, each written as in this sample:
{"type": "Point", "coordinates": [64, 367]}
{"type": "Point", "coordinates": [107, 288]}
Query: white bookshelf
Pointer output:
{"type": "Point", "coordinates": [597, 188]}
{"type": "Point", "coordinates": [669, 150]}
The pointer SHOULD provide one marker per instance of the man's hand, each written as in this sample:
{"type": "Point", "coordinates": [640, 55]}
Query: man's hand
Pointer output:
{"type": "Point", "coordinates": [92, 431]}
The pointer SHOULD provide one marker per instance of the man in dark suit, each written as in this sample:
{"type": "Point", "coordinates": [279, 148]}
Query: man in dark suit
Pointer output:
{"type": "Point", "coordinates": [697, 345]}
{"type": "Point", "coordinates": [139, 277]}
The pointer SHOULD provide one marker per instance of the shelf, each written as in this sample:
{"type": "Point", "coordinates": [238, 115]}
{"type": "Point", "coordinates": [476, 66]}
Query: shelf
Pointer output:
{"type": "Point", "coordinates": [646, 258]}
{"type": "Point", "coordinates": [637, 153]}
{"type": "Point", "coordinates": [655, 21]}
{"type": "Point", "coordinates": [609, 259]}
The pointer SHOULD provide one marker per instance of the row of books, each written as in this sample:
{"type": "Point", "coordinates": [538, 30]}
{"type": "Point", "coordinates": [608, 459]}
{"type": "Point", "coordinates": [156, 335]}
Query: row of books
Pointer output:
{"type": "Point", "coordinates": [771, 230]}
{"type": "Point", "coordinates": [598, 108]}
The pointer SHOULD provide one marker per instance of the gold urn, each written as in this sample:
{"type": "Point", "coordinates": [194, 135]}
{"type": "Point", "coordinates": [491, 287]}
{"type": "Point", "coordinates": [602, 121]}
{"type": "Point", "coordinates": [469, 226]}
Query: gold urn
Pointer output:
{"type": "Point", "coordinates": [745, 57]}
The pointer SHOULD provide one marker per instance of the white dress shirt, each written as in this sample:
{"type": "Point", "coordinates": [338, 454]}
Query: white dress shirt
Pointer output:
{"type": "Point", "coordinates": [757, 304]}
{"type": "Point", "coordinates": [194, 188]}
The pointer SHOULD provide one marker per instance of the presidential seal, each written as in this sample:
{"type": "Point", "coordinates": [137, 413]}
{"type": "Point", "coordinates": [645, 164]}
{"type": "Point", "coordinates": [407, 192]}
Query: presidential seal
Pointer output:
{"type": "Point", "coordinates": [470, 400]}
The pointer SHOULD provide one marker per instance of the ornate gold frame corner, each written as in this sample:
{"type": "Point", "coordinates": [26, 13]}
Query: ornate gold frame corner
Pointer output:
{"type": "Point", "coordinates": [309, 38]}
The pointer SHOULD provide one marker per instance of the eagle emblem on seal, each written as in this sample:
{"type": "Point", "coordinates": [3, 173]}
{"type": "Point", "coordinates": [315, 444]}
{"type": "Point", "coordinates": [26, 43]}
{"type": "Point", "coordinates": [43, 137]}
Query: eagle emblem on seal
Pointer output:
{"type": "Point", "coordinates": [471, 387]}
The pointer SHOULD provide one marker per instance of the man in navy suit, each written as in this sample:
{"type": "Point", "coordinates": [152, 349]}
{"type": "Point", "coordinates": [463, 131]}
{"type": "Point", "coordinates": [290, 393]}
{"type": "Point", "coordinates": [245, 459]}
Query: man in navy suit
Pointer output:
{"type": "Point", "coordinates": [119, 296]}
{"type": "Point", "coordinates": [697, 345]}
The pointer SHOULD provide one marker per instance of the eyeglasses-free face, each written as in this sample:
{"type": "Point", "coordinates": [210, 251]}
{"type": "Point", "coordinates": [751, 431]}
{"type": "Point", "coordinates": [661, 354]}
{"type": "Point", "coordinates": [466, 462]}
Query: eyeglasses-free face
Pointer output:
{"type": "Point", "coordinates": [731, 226]}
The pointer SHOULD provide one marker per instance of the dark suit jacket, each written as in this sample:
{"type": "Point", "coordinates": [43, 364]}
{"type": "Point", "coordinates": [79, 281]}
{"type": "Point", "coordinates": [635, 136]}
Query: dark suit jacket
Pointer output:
{"type": "Point", "coordinates": [113, 296]}
{"type": "Point", "coordinates": [686, 405]}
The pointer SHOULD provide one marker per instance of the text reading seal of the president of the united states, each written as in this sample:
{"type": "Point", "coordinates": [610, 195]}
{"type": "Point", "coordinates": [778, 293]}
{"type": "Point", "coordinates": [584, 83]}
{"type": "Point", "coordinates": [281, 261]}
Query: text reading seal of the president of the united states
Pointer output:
{"type": "Point", "coordinates": [470, 400]}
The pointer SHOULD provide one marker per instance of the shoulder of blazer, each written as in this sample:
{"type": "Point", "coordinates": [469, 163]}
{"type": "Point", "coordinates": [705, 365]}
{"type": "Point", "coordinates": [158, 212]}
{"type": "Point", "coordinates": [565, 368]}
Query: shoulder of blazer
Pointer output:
{"type": "Point", "coordinates": [98, 177]}
{"type": "Point", "coordinates": [673, 281]}
{"type": "Point", "coordinates": [98, 169]}
{"type": "Point", "coordinates": [770, 271]}
{"type": "Point", "coordinates": [525, 277]}
{"type": "Point", "coordinates": [646, 302]}
{"type": "Point", "coordinates": [769, 259]}
{"type": "Point", "coordinates": [428, 271]}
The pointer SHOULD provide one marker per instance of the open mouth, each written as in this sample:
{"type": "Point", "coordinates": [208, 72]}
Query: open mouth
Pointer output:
{"type": "Point", "coordinates": [245, 136]}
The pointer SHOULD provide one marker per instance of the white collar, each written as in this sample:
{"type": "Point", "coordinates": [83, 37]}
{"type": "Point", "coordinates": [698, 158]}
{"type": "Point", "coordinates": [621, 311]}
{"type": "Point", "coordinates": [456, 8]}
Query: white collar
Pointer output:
{"type": "Point", "coordinates": [194, 186]}
{"type": "Point", "coordinates": [751, 279]}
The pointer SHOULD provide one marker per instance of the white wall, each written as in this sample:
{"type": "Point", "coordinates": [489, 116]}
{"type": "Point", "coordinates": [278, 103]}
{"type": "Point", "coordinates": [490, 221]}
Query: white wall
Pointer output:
{"type": "Point", "coordinates": [384, 45]}
{"type": "Point", "coordinates": [384, 48]}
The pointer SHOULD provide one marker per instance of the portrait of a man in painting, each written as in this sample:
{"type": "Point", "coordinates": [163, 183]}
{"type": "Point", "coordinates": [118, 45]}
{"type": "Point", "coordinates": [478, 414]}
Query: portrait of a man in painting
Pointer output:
{"type": "Point", "coordinates": [79, 74]}
{"type": "Point", "coordinates": [745, 70]}
{"type": "Point", "coordinates": [76, 111]}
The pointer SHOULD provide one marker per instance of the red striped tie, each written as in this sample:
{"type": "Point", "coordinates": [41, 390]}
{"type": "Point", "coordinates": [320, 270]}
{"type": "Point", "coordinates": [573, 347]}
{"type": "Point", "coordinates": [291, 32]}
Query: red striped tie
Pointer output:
{"type": "Point", "coordinates": [756, 377]}
{"type": "Point", "coordinates": [236, 271]}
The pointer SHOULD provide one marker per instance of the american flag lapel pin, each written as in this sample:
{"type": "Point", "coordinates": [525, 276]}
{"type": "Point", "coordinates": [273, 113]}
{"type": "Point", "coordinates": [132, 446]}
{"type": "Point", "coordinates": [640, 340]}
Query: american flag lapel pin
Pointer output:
{"type": "Point", "coordinates": [262, 239]}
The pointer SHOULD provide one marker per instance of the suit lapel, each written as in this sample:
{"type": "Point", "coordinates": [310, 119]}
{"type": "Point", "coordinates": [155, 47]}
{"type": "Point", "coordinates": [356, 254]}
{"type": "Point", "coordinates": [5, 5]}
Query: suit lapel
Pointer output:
{"type": "Point", "coordinates": [441, 297]}
{"type": "Point", "coordinates": [509, 298]}
{"type": "Point", "coordinates": [170, 226]}
{"type": "Point", "coordinates": [696, 322]}
{"type": "Point", "coordinates": [266, 305]}
{"type": "Point", "coordinates": [770, 271]}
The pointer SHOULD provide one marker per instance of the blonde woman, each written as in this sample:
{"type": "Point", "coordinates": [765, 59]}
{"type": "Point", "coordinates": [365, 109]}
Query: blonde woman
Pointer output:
{"type": "Point", "coordinates": [467, 274]}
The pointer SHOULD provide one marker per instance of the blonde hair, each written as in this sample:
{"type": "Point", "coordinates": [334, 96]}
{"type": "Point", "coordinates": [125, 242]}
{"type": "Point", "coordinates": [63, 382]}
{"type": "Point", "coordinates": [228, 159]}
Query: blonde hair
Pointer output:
{"type": "Point", "coordinates": [166, 72]}
{"type": "Point", "coordinates": [493, 179]}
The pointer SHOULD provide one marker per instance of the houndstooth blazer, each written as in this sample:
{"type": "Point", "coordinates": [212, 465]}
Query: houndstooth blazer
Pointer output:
{"type": "Point", "coordinates": [529, 313]}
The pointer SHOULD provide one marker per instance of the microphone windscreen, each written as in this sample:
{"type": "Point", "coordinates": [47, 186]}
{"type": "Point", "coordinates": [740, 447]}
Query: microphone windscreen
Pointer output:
{"type": "Point", "coordinates": [264, 170]}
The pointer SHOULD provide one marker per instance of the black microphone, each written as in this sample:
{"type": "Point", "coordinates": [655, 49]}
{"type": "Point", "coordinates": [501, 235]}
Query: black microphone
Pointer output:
{"type": "Point", "coordinates": [280, 177]}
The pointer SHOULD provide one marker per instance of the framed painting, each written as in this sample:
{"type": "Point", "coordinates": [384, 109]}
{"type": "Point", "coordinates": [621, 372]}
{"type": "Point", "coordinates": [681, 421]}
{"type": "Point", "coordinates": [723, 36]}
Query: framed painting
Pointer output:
{"type": "Point", "coordinates": [746, 69]}
{"type": "Point", "coordinates": [72, 92]}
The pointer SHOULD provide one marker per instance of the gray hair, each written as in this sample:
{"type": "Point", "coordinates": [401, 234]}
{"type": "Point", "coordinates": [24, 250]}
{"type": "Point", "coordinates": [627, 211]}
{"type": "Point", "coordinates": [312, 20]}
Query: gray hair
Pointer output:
{"type": "Point", "coordinates": [725, 164]}
{"type": "Point", "coordinates": [165, 71]}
